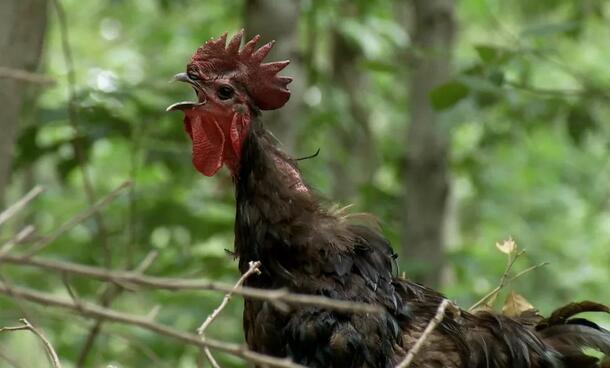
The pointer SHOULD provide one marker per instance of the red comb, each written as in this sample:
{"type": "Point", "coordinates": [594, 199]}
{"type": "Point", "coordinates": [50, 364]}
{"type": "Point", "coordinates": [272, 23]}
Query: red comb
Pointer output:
{"type": "Point", "coordinates": [268, 90]}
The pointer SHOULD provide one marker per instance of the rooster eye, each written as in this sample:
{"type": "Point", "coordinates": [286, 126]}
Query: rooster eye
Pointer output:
{"type": "Point", "coordinates": [225, 92]}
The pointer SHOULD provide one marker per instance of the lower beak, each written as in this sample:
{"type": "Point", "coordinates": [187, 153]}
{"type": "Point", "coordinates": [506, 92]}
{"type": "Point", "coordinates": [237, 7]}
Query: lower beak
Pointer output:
{"type": "Point", "coordinates": [184, 105]}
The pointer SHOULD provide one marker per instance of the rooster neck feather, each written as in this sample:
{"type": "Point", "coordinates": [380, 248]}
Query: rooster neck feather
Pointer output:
{"type": "Point", "coordinates": [269, 191]}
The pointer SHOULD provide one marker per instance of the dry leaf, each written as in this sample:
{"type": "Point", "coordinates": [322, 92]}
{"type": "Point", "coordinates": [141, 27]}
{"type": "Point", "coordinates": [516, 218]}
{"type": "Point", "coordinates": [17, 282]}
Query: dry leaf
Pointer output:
{"type": "Point", "coordinates": [515, 305]}
{"type": "Point", "coordinates": [507, 247]}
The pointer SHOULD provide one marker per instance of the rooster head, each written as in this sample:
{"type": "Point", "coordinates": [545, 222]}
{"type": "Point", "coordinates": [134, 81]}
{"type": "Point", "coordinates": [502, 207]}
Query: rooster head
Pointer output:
{"type": "Point", "coordinates": [232, 85]}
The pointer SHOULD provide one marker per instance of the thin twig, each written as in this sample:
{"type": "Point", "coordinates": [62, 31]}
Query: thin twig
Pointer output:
{"type": "Point", "coordinates": [9, 360]}
{"type": "Point", "coordinates": [19, 303]}
{"type": "Point", "coordinates": [254, 268]}
{"type": "Point", "coordinates": [111, 292]}
{"type": "Point", "coordinates": [527, 270]}
{"type": "Point", "coordinates": [125, 336]}
{"type": "Point", "coordinates": [25, 76]}
{"type": "Point", "coordinates": [21, 236]}
{"type": "Point", "coordinates": [73, 119]}
{"type": "Point", "coordinates": [210, 357]}
{"type": "Point", "coordinates": [503, 281]}
{"type": "Point", "coordinates": [438, 317]}
{"type": "Point", "coordinates": [68, 225]}
{"type": "Point", "coordinates": [20, 204]}
{"type": "Point", "coordinates": [280, 296]}
{"type": "Point", "coordinates": [27, 326]}
{"type": "Point", "coordinates": [97, 312]}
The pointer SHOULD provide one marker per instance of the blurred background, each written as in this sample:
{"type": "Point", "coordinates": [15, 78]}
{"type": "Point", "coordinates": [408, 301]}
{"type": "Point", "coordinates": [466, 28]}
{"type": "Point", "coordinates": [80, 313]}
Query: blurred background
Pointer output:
{"type": "Point", "coordinates": [457, 123]}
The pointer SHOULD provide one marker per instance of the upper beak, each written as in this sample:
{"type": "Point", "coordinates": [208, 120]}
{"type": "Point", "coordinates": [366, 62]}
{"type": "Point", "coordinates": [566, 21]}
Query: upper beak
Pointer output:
{"type": "Point", "coordinates": [185, 105]}
{"type": "Point", "coordinates": [182, 77]}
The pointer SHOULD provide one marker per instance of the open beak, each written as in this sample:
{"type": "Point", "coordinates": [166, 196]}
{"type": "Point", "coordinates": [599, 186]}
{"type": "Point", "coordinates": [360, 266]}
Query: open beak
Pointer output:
{"type": "Point", "coordinates": [185, 105]}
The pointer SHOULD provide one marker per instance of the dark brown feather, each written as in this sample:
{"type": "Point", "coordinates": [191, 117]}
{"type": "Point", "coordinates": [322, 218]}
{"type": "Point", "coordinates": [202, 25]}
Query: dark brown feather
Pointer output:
{"type": "Point", "coordinates": [307, 249]}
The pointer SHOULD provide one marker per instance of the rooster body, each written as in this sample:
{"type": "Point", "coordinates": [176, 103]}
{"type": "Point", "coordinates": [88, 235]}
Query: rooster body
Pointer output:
{"type": "Point", "coordinates": [307, 249]}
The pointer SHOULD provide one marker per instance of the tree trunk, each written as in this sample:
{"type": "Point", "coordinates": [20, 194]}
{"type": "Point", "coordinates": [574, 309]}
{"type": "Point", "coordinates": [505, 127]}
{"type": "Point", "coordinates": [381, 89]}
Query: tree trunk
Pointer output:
{"type": "Point", "coordinates": [278, 20]}
{"type": "Point", "coordinates": [427, 181]}
{"type": "Point", "coordinates": [22, 28]}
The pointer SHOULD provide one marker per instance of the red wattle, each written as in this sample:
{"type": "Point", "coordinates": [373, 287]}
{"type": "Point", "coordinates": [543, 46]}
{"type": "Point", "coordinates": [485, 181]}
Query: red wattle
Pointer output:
{"type": "Point", "coordinates": [208, 142]}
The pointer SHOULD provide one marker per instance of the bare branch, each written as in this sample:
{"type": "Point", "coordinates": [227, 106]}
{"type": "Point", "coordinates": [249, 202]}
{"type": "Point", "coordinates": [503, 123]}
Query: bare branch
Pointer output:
{"type": "Point", "coordinates": [21, 236]}
{"type": "Point", "coordinates": [211, 359]}
{"type": "Point", "coordinates": [280, 296]}
{"type": "Point", "coordinates": [68, 225]}
{"type": "Point", "coordinates": [438, 317]}
{"type": "Point", "coordinates": [254, 268]}
{"type": "Point", "coordinates": [503, 281]}
{"type": "Point", "coordinates": [111, 292]}
{"type": "Point", "coordinates": [9, 360]}
{"type": "Point", "coordinates": [73, 119]}
{"type": "Point", "coordinates": [27, 326]}
{"type": "Point", "coordinates": [20, 204]}
{"type": "Point", "coordinates": [25, 76]}
{"type": "Point", "coordinates": [94, 311]}
{"type": "Point", "coordinates": [527, 270]}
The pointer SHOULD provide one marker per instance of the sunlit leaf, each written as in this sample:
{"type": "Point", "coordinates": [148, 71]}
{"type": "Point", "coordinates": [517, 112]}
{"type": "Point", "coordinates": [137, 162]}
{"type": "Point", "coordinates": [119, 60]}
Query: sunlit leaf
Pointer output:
{"type": "Point", "coordinates": [507, 246]}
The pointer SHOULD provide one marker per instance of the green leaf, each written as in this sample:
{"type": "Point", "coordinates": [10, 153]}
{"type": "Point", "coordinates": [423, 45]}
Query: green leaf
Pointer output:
{"type": "Point", "coordinates": [490, 54]}
{"type": "Point", "coordinates": [579, 122]}
{"type": "Point", "coordinates": [380, 66]}
{"type": "Point", "coordinates": [487, 54]}
{"type": "Point", "coordinates": [496, 77]}
{"type": "Point", "coordinates": [448, 94]}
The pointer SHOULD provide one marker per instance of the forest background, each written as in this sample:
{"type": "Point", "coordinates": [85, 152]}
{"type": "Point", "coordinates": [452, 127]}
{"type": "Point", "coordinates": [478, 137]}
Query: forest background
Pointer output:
{"type": "Point", "coordinates": [457, 123]}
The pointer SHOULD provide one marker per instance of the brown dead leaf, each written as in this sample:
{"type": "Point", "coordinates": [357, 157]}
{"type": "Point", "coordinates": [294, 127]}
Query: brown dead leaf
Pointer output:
{"type": "Point", "coordinates": [507, 247]}
{"type": "Point", "coordinates": [515, 305]}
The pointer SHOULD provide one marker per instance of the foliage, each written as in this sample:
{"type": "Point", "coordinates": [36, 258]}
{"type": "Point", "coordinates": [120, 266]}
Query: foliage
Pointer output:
{"type": "Point", "coordinates": [530, 148]}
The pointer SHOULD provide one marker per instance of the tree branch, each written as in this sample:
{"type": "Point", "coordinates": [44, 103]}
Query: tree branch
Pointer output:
{"type": "Point", "coordinates": [280, 297]}
{"type": "Point", "coordinates": [93, 311]}
{"type": "Point", "coordinates": [73, 119]}
{"type": "Point", "coordinates": [27, 326]}
{"type": "Point", "coordinates": [503, 281]}
{"type": "Point", "coordinates": [254, 268]}
{"type": "Point", "coordinates": [25, 76]}
{"type": "Point", "coordinates": [68, 225]}
{"type": "Point", "coordinates": [21, 236]}
{"type": "Point", "coordinates": [20, 204]}
{"type": "Point", "coordinates": [9, 360]}
{"type": "Point", "coordinates": [110, 293]}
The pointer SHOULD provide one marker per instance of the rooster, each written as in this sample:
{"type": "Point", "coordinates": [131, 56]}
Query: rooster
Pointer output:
{"type": "Point", "coordinates": [306, 248]}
